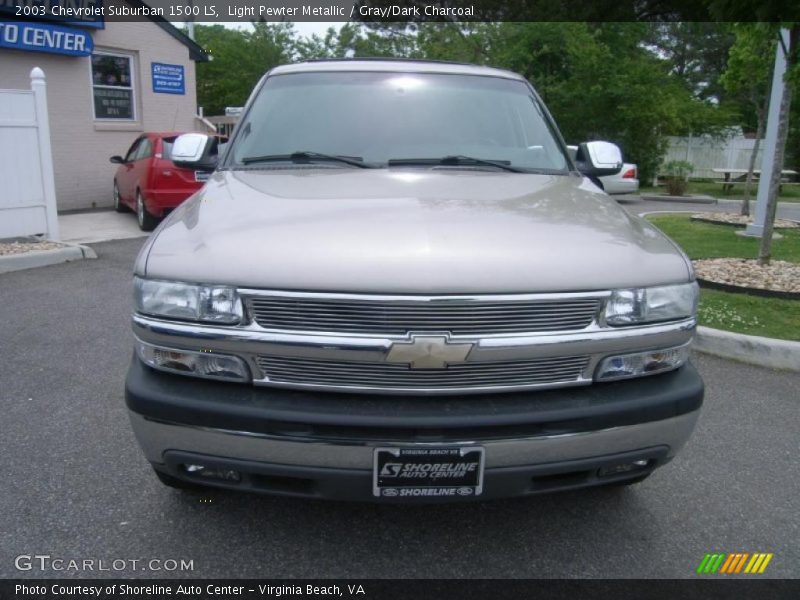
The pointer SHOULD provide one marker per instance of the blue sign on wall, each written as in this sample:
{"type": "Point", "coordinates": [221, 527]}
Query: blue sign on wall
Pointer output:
{"type": "Point", "coordinates": [168, 79]}
{"type": "Point", "coordinates": [42, 37]}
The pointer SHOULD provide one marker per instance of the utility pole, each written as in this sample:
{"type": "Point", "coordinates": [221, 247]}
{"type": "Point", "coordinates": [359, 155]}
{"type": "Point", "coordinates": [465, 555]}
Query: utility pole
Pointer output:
{"type": "Point", "coordinates": [768, 164]}
{"type": "Point", "coordinates": [190, 22]}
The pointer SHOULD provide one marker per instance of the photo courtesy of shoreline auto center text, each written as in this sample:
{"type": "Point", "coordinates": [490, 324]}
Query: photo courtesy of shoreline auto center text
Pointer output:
{"type": "Point", "coordinates": [399, 299]}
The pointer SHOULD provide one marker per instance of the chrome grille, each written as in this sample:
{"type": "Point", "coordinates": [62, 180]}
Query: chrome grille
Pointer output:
{"type": "Point", "coordinates": [542, 372]}
{"type": "Point", "coordinates": [389, 316]}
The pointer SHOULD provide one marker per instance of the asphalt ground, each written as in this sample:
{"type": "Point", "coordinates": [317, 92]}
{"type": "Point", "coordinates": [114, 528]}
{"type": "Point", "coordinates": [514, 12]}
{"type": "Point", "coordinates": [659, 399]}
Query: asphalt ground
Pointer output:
{"type": "Point", "coordinates": [74, 484]}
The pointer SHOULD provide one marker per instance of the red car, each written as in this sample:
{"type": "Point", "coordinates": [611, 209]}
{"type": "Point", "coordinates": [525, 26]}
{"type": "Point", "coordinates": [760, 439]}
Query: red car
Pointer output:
{"type": "Point", "coordinates": [149, 183]}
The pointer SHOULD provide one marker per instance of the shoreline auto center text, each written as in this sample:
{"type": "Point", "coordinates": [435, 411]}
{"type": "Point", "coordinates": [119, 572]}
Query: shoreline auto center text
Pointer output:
{"type": "Point", "coordinates": [99, 590]}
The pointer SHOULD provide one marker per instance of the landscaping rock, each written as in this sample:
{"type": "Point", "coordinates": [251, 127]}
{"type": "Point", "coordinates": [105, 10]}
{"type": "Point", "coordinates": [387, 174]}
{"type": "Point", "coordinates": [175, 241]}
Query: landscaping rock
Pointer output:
{"type": "Point", "coordinates": [778, 276]}
{"type": "Point", "coordinates": [8, 248]}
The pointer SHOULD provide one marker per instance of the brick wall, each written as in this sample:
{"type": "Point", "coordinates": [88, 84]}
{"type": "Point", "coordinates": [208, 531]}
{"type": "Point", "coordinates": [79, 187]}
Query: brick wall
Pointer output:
{"type": "Point", "coordinates": [81, 145]}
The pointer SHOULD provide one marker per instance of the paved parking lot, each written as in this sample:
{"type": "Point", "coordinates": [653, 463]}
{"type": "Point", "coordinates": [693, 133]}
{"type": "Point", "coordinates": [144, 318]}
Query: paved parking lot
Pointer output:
{"type": "Point", "coordinates": [75, 485]}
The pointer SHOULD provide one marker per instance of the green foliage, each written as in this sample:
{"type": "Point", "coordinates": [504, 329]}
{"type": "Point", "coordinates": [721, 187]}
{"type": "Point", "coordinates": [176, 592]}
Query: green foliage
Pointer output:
{"type": "Point", "coordinates": [240, 58]}
{"type": "Point", "coordinates": [677, 173]}
{"type": "Point", "coordinates": [751, 315]}
{"type": "Point", "coordinates": [600, 82]}
{"type": "Point", "coordinates": [749, 67]}
{"type": "Point", "coordinates": [697, 53]}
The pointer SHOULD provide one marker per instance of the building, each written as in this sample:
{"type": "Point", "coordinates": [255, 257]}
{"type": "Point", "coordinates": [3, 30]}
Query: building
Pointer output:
{"type": "Point", "coordinates": [107, 82]}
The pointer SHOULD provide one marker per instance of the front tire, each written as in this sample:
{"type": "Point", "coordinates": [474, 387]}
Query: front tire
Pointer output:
{"type": "Point", "coordinates": [147, 222]}
{"type": "Point", "coordinates": [118, 204]}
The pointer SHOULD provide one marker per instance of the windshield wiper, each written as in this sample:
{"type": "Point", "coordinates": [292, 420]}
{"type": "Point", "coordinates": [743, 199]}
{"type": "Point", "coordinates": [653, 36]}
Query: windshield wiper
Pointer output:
{"type": "Point", "coordinates": [305, 156]}
{"type": "Point", "coordinates": [455, 160]}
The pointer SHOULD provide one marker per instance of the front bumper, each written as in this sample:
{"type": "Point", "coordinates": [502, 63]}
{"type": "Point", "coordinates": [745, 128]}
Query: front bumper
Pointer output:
{"type": "Point", "coordinates": [160, 200]}
{"type": "Point", "coordinates": [321, 444]}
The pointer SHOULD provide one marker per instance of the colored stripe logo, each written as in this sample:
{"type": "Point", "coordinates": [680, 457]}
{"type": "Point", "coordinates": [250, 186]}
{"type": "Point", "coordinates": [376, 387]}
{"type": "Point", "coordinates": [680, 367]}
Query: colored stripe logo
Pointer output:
{"type": "Point", "coordinates": [734, 563]}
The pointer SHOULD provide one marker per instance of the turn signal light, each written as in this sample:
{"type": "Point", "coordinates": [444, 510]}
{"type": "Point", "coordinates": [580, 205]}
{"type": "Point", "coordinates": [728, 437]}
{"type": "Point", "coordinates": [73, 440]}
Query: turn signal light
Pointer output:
{"type": "Point", "coordinates": [642, 363]}
{"type": "Point", "coordinates": [207, 365]}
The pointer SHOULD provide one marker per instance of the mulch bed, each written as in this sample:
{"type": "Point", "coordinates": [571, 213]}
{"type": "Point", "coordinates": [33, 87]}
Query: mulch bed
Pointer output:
{"type": "Point", "coordinates": [780, 279]}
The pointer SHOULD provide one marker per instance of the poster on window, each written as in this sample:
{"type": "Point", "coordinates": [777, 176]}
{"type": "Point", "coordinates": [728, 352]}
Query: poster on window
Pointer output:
{"type": "Point", "coordinates": [112, 82]}
{"type": "Point", "coordinates": [112, 103]}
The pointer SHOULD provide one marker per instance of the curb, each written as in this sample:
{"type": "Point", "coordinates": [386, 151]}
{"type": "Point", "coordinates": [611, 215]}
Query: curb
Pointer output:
{"type": "Point", "coordinates": [31, 260]}
{"type": "Point", "coordinates": [680, 199]}
{"type": "Point", "coordinates": [752, 349]}
{"type": "Point", "coordinates": [749, 291]}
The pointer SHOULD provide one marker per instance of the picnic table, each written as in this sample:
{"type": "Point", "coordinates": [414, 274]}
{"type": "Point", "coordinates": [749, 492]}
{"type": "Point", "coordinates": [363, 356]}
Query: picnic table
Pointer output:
{"type": "Point", "coordinates": [733, 176]}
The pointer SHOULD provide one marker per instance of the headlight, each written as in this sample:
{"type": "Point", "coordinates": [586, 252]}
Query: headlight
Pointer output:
{"type": "Point", "coordinates": [648, 305]}
{"type": "Point", "coordinates": [207, 303]}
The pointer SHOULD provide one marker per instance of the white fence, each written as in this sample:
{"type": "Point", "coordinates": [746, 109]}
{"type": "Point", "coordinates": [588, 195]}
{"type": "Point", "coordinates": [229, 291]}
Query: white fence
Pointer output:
{"type": "Point", "coordinates": [707, 153]}
{"type": "Point", "coordinates": [27, 195]}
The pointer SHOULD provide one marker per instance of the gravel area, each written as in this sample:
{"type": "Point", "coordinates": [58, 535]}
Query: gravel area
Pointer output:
{"type": "Point", "coordinates": [8, 248]}
{"type": "Point", "coordinates": [778, 276]}
{"type": "Point", "coordinates": [737, 219]}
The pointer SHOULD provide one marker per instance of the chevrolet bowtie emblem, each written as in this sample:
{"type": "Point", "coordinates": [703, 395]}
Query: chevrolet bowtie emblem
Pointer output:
{"type": "Point", "coordinates": [429, 352]}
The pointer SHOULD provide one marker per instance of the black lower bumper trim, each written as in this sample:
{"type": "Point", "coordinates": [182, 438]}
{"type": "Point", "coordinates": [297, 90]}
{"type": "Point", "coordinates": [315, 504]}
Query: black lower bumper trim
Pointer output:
{"type": "Point", "coordinates": [238, 407]}
{"type": "Point", "coordinates": [356, 485]}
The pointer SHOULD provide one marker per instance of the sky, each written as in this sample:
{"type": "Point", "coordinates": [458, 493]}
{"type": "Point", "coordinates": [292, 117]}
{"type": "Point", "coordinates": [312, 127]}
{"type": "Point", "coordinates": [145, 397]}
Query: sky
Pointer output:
{"type": "Point", "coordinates": [305, 29]}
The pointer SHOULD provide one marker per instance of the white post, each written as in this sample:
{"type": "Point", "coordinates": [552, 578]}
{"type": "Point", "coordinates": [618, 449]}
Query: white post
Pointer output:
{"type": "Point", "coordinates": [756, 229]}
{"type": "Point", "coordinates": [39, 88]}
{"type": "Point", "coordinates": [190, 22]}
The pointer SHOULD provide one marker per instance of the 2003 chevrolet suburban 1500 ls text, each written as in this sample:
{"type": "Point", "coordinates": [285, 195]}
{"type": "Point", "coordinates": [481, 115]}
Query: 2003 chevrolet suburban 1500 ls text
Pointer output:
{"type": "Point", "coordinates": [397, 285]}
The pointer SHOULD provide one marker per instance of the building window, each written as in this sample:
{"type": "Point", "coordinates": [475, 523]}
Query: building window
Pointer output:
{"type": "Point", "coordinates": [112, 86]}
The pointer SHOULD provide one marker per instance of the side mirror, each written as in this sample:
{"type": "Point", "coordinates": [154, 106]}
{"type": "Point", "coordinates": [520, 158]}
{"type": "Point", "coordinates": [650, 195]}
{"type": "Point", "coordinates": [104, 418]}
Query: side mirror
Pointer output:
{"type": "Point", "coordinates": [598, 159]}
{"type": "Point", "coordinates": [116, 159]}
{"type": "Point", "coordinates": [195, 151]}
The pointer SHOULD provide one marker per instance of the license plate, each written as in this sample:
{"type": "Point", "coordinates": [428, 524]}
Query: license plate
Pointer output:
{"type": "Point", "coordinates": [201, 176]}
{"type": "Point", "coordinates": [428, 472]}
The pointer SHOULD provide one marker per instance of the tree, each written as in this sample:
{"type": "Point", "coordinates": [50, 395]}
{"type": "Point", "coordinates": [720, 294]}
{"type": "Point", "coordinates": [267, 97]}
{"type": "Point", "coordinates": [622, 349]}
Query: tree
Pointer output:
{"type": "Point", "coordinates": [773, 11]}
{"type": "Point", "coordinates": [247, 54]}
{"type": "Point", "coordinates": [696, 52]}
{"type": "Point", "coordinates": [215, 88]}
{"type": "Point", "coordinates": [747, 78]}
{"type": "Point", "coordinates": [600, 82]}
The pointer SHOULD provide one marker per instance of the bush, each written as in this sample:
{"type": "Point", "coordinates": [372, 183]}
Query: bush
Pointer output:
{"type": "Point", "coordinates": [677, 176]}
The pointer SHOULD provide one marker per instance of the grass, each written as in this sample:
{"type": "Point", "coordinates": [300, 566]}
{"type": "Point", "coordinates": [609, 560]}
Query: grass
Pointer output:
{"type": "Point", "coordinates": [752, 315]}
{"type": "Point", "coordinates": [741, 313]}
{"type": "Point", "coordinates": [709, 240]}
{"type": "Point", "coordinates": [790, 193]}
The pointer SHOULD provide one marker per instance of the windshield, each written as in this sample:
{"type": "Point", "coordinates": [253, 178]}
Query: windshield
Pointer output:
{"type": "Point", "coordinates": [378, 117]}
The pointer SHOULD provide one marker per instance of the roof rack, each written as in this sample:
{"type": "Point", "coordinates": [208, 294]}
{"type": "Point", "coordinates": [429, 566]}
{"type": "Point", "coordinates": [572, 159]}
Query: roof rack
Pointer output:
{"type": "Point", "coordinates": [388, 59]}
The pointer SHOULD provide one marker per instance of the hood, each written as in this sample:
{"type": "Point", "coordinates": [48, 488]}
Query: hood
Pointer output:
{"type": "Point", "coordinates": [408, 231]}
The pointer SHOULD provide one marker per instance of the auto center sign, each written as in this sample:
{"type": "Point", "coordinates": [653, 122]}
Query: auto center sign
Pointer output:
{"type": "Point", "coordinates": [43, 37]}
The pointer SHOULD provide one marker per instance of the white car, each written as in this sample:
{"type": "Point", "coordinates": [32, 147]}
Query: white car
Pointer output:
{"type": "Point", "coordinates": [624, 182]}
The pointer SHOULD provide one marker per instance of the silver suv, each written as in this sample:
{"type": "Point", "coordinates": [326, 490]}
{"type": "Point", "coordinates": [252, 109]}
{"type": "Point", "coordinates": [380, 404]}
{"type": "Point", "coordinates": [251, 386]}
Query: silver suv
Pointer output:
{"type": "Point", "coordinates": [397, 285]}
